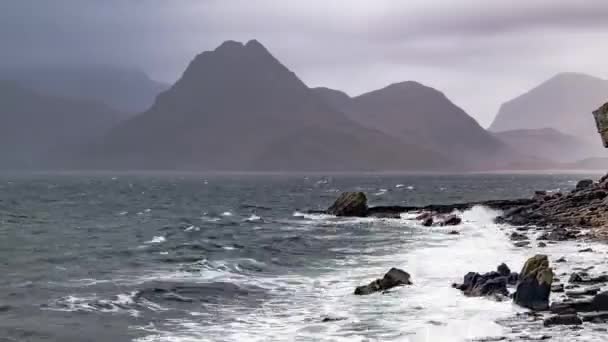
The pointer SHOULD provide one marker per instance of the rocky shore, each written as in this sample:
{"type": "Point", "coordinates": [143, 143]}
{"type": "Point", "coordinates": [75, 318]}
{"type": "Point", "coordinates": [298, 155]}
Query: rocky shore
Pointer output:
{"type": "Point", "coordinates": [553, 298]}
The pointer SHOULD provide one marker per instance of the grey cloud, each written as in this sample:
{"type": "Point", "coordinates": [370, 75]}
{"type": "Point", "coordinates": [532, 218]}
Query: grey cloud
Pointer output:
{"type": "Point", "coordinates": [354, 45]}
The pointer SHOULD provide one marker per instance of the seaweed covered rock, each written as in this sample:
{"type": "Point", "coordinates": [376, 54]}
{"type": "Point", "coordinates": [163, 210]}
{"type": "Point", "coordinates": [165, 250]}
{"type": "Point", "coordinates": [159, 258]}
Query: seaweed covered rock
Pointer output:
{"type": "Point", "coordinates": [349, 204]}
{"type": "Point", "coordinates": [534, 285]}
{"type": "Point", "coordinates": [393, 278]}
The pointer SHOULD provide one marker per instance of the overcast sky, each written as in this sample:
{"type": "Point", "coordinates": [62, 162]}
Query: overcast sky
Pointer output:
{"type": "Point", "coordinates": [479, 52]}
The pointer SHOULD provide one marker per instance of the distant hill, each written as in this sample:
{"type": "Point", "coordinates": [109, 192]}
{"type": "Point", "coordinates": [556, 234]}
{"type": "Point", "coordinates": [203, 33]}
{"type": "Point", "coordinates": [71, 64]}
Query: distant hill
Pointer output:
{"type": "Point", "coordinates": [564, 103]}
{"type": "Point", "coordinates": [550, 144]}
{"type": "Point", "coordinates": [126, 90]}
{"type": "Point", "coordinates": [238, 108]}
{"type": "Point", "coordinates": [415, 113]}
{"type": "Point", "coordinates": [41, 132]}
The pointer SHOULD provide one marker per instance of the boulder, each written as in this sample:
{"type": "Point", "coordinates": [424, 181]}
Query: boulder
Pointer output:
{"type": "Point", "coordinates": [451, 220]}
{"type": "Point", "coordinates": [394, 277]}
{"type": "Point", "coordinates": [584, 184]}
{"type": "Point", "coordinates": [534, 285]}
{"type": "Point", "coordinates": [601, 122]}
{"type": "Point", "coordinates": [566, 319]}
{"type": "Point", "coordinates": [598, 303]}
{"type": "Point", "coordinates": [585, 278]}
{"type": "Point", "coordinates": [488, 284]}
{"type": "Point", "coordinates": [349, 204]}
{"type": "Point", "coordinates": [427, 222]}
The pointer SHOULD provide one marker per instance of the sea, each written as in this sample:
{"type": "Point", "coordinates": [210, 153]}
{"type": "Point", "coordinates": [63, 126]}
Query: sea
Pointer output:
{"type": "Point", "coordinates": [195, 257]}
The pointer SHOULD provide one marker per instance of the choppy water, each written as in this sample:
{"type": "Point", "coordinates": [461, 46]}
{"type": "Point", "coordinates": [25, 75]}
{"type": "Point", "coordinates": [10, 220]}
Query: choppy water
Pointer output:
{"type": "Point", "coordinates": [209, 258]}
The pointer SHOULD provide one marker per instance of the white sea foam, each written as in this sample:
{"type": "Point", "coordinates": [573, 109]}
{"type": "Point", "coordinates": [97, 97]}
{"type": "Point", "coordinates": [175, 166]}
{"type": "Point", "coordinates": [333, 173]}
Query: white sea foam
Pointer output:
{"type": "Point", "coordinates": [226, 213]}
{"type": "Point", "coordinates": [156, 239]}
{"type": "Point", "coordinates": [253, 218]}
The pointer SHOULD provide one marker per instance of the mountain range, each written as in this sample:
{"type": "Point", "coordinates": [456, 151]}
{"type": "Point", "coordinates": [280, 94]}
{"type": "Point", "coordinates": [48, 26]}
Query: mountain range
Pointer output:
{"type": "Point", "coordinates": [123, 89]}
{"type": "Point", "coordinates": [237, 108]}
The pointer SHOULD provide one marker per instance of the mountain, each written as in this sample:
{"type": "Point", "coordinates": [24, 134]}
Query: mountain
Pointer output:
{"type": "Point", "coordinates": [40, 131]}
{"type": "Point", "coordinates": [238, 108]}
{"type": "Point", "coordinates": [126, 90]}
{"type": "Point", "coordinates": [550, 143]}
{"type": "Point", "coordinates": [415, 113]}
{"type": "Point", "coordinates": [564, 102]}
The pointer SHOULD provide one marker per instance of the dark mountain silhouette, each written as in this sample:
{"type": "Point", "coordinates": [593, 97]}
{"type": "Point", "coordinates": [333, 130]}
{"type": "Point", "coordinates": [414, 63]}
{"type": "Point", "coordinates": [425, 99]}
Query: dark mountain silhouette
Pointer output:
{"type": "Point", "coordinates": [415, 113]}
{"type": "Point", "coordinates": [564, 102]}
{"type": "Point", "coordinates": [40, 131]}
{"type": "Point", "coordinates": [238, 108]}
{"type": "Point", "coordinates": [126, 90]}
{"type": "Point", "coordinates": [550, 143]}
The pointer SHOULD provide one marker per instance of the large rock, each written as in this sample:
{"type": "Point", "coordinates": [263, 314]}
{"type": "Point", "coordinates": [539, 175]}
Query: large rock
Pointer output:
{"type": "Point", "coordinates": [394, 277]}
{"type": "Point", "coordinates": [534, 285]}
{"type": "Point", "coordinates": [488, 284]}
{"type": "Point", "coordinates": [598, 303]}
{"type": "Point", "coordinates": [349, 204]}
{"type": "Point", "coordinates": [601, 122]}
{"type": "Point", "coordinates": [567, 319]}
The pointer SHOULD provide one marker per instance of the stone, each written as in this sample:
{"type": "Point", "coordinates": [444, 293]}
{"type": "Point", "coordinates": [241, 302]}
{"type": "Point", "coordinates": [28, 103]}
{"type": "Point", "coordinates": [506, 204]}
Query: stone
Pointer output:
{"type": "Point", "coordinates": [349, 204]}
{"type": "Point", "coordinates": [584, 184]}
{"type": "Point", "coordinates": [557, 288]}
{"type": "Point", "coordinates": [488, 284]}
{"type": "Point", "coordinates": [534, 285]}
{"type": "Point", "coordinates": [590, 291]}
{"type": "Point", "coordinates": [585, 278]}
{"type": "Point", "coordinates": [451, 220]}
{"type": "Point", "coordinates": [598, 303]}
{"type": "Point", "coordinates": [427, 222]}
{"type": "Point", "coordinates": [601, 122]}
{"type": "Point", "coordinates": [521, 243]}
{"type": "Point", "coordinates": [518, 237]}
{"type": "Point", "coordinates": [393, 278]}
{"type": "Point", "coordinates": [566, 319]}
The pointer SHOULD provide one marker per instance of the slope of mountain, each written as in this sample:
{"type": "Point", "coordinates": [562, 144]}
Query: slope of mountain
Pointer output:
{"type": "Point", "coordinates": [414, 113]}
{"type": "Point", "coordinates": [126, 90]}
{"type": "Point", "coordinates": [238, 108]}
{"type": "Point", "coordinates": [564, 102]}
{"type": "Point", "coordinates": [40, 131]}
{"type": "Point", "coordinates": [550, 144]}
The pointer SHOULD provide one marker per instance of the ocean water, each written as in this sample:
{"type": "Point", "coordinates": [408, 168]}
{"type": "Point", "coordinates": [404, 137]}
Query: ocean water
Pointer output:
{"type": "Point", "coordinates": [182, 258]}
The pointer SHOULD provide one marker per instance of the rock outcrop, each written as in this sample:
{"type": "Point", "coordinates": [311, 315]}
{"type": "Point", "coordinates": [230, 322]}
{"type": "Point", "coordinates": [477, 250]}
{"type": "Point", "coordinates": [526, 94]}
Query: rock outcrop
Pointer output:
{"type": "Point", "coordinates": [534, 285]}
{"type": "Point", "coordinates": [586, 206]}
{"type": "Point", "coordinates": [393, 278]}
{"type": "Point", "coordinates": [349, 204]}
{"type": "Point", "coordinates": [601, 122]}
{"type": "Point", "coordinates": [488, 284]}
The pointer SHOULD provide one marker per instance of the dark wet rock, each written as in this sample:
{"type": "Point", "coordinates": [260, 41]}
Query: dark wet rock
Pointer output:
{"type": "Point", "coordinates": [454, 232]}
{"type": "Point", "coordinates": [518, 237]}
{"type": "Point", "coordinates": [586, 250]}
{"type": "Point", "coordinates": [427, 222]}
{"type": "Point", "coordinates": [585, 278]}
{"type": "Point", "coordinates": [561, 260]}
{"type": "Point", "coordinates": [598, 303]}
{"type": "Point", "coordinates": [542, 244]}
{"type": "Point", "coordinates": [424, 216]}
{"type": "Point", "coordinates": [451, 220]}
{"type": "Point", "coordinates": [595, 317]}
{"type": "Point", "coordinates": [394, 277]}
{"type": "Point", "coordinates": [332, 319]}
{"type": "Point", "coordinates": [349, 204]}
{"type": "Point", "coordinates": [566, 319]}
{"type": "Point", "coordinates": [488, 284]}
{"type": "Point", "coordinates": [503, 270]}
{"type": "Point", "coordinates": [534, 285]}
{"type": "Point", "coordinates": [590, 291]}
{"type": "Point", "coordinates": [558, 234]}
{"type": "Point", "coordinates": [440, 209]}
{"type": "Point", "coordinates": [557, 288]}
{"type": "Point", "coordinates": [521, 243]}
{"type": "Point", "coordinates": [584, 184]}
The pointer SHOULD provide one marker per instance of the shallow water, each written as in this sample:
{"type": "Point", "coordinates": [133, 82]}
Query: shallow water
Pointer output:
{"type": "Point", "coordinates": [209, 258]}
